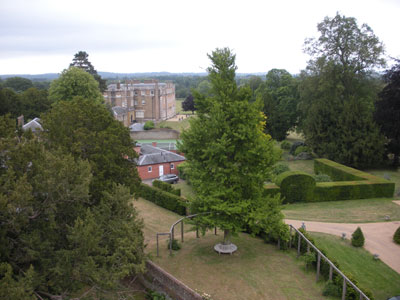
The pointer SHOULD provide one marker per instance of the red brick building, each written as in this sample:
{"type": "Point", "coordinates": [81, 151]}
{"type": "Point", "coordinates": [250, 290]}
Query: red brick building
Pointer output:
{"type": "Point", "coordinates": [154, 162]}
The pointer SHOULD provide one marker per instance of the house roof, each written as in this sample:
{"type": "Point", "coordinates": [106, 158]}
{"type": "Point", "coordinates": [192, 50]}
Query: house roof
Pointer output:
{"type": "Point", "coordinates": [33, 125]}
{"type": "Point", "coordinates": [153, 155]}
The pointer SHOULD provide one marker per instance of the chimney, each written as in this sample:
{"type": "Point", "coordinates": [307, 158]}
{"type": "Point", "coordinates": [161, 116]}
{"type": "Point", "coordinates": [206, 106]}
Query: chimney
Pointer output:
{"type": "Point", "coordinates": [154, 144]}
{"type": "Point", "coordinates": [118, 85]}
{"type": "Point", "coordinates": [20, 120]}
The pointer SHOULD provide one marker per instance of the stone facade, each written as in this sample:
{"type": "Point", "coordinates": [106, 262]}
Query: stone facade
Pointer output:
{"type": "Point", "coordinates": [142, 101]}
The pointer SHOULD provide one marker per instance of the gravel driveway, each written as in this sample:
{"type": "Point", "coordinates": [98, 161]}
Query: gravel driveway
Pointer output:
{"type": "Point", "coordinates": [378, 237]}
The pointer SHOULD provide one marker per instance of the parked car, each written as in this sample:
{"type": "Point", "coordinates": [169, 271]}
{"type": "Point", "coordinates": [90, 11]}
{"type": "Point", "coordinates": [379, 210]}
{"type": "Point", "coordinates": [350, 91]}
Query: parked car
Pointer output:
{"type": "Point", "coordinates": [395, 298]}
{"type": "Point", "coordinates": [170, 178]}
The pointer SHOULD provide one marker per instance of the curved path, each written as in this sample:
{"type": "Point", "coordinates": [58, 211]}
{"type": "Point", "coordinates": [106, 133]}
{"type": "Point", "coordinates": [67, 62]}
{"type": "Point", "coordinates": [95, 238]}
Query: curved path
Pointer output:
{"type": "Point", "coordinates": [378, 237]}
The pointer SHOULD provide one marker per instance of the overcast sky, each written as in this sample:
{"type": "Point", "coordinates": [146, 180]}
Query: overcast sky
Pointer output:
{"type": "Point", "coordinates": [39, 36]}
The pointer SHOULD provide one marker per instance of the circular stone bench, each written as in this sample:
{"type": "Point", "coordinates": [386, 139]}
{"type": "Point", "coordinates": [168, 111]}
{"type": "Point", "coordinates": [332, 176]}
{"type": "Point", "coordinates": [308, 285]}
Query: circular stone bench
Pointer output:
{"type": "Point", "coordinates": [225, 249]}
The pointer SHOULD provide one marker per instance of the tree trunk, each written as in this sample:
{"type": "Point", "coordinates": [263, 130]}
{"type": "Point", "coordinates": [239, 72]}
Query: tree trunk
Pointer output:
{"type": "Point", "coordinates": [227, 237]}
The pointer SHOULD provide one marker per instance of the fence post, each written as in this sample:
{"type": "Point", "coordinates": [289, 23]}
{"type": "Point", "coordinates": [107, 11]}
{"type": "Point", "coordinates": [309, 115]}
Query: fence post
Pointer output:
{"type": "Point", "coordinates": [330, 273]}
{"type": "Point", "coordinates": [298, 245]}
{"type": "Point", "coordinates": [157, 244]}
{"type": "Point", "coordinates": [215, 230]}
{"type": "Point", "coordinates": [290, 236]}
{"type": "Point", "coordinates": [170, 244]}
{"type": "Point", "coordinates": [197, 232]}
{"type": "Point", "coordinates": [173, 233]}
{"type": "Point", "coordinates": [318, 265]}
{"type": "Point", "coordinates": [344, 289]}
{"type": "Point", "coordinates": [182, 231]}
{"type": "Point", "coordinates": [361, 296]}
{"type": "Point", "coordinates": [308, 248]}
{"type": "Point", "coordinates": [279, 244]}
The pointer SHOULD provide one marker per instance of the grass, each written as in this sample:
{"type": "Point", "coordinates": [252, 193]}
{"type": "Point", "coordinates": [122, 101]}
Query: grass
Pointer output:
{"type": "Point", "coordinates": [256, 271]}
{"type": "Point", "coordinates": [347, 211]}
{"type": "Point", "coordinates": [186, 189]}
{"type": "Point", "coordinates": [372, 274]}
{"type": "Point", "coordinates": [177, 125]}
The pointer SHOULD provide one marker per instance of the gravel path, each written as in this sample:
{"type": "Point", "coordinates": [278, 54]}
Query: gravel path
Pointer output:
{"type": "Point", "coordinates": [378, 237]}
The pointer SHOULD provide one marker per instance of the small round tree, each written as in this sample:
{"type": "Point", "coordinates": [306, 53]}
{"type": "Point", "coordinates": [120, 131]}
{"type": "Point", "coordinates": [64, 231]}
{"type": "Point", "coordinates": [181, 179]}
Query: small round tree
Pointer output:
{"type": "Point", "coordinates": [357, 238]}
{"type": "Point", "coordinates": [396, 236]}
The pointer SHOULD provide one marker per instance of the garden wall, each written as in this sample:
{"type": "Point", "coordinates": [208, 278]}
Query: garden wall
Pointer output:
{"type": "Point", "coordinates": [159, 280]}
{"type": "Point", "coordinates": [155, 134]}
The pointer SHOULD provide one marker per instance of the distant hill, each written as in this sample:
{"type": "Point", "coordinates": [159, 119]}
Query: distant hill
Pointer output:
{"type": "Point", "coordinates": [111, 75]}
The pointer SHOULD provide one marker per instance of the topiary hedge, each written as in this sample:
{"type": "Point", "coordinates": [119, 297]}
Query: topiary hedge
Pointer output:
{"type": "Point", "coordinates": [337, 171]}
{"type": "Point", "coordinates": [357, 238]}
{"type": "Point", "coordinates": [167, 187]}
{"type": "Point", "coordinates": [296, 186]}
{"type": "Point", "coordinates": [163, 199]}
{"type": "Point", "coordinates": [396, 236]}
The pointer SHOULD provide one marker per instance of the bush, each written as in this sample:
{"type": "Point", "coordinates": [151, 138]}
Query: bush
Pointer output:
{"type": "Point", "coordinates": [279, 169]}
{"type": "Point", "coordinates": [396, 236]}
{"type": "Point", "coordinates": [331, 289]}
{"type": "Point", "coordinates": [285, 145]}
{"type": "Point", "coordinates": [153, 295]}
{"type": "Point", "coordinates": [322, 178]}
{"type": "Point", "coordinates": [167, 187]}
{"type": "Point", "coordinates": [301, 149]}
{"type": "Point", "coordinates": [163, 199]}
{"type": "Point", "coordinates": [183, 168]}
{"type": "Point", "coordinates": [295, 145]}
{"type": "Point", "coordinates": [175, 245]}
{"type": "Point", "coordinates": [357, 238]}
{"type": "Point", "coordinates": [148, 125]}
{"type": "Point", "coordinates": [296, 186]}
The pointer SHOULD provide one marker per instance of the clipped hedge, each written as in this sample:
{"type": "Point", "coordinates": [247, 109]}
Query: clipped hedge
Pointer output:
{"type": "Point", "coordinates": [296, 186]}
{"type": "Point", "coordinates": [167, 187]}
{"type": "Point", "coordinates": [163, 199]}
{"type": "Point", "coordinates": [337, 172]}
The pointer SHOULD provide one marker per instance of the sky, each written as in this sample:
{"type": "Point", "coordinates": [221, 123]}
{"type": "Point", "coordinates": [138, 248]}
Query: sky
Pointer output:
{"type": "Point", "coordinates": [42, 36]}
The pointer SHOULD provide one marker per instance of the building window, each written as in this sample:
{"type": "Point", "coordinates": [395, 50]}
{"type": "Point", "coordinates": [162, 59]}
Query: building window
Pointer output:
{"type": "Point", "coordinates": [152, 92]}
{"type": "Point", "coordinates": [139, 114]}
{"type": "Point", "coordinates": [136, 93]}
{"type": "Point", "coordinates": [143, 102]}
{"type": "Point", "coordinates": [143, 93]}
{"type": "Point", "coordinates": [124, 103]}
{"type": "Point", "coordinates": [172, 166]}
{"type": "Point", "coordinates": [149, 169]}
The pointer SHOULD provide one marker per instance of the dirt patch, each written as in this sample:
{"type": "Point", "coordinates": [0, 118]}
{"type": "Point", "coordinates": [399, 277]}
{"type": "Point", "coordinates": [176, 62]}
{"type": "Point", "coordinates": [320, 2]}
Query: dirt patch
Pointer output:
{"type": "Point", "coordinates": [378, 237]}
{"type": "Point", "coordinates": [397, 201]}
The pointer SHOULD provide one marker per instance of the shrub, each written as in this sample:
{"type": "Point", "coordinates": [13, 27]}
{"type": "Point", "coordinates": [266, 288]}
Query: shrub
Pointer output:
{"type": "Point", "coordinates": [301, 149]}
{"type": "Point", "coordinates": [153, 295]}
{"type": "Point", "coordinates": [331, 289]}
{"type": "Point", "coordinates": [396, 236]}
{"type": "Point", "coordinates": [167, 187]}
{"type": "Point", "coordinates": [295, 145]}
{"type": "Point", "coordinates": [357, 238]}
{"type": "Point", "coordinates": [279, 169]}
{"type": "Point", "coordinates": [322, 178]}
{"type": "Point", "coordinates": [148, 125]}
{"type": "Point", "coordinates": [296, 186]}
{"type": "Point", "coordinates": [175, 245]}
{"type": "Point", "coordinates": [183, 168]}
{"type": "Point", "coordinates": [285, 145]}
{"type": "Point", "coordinates": [163, 199]}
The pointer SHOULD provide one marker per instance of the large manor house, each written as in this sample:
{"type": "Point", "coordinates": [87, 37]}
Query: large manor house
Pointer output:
{"type": "Point", "coordinates": [140, 101]}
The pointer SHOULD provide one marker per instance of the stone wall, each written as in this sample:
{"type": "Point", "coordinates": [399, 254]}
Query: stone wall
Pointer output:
{"type": "Point", "coordinates": [155, 134]}
{"type": "Point", "coordinates": [159, 280]}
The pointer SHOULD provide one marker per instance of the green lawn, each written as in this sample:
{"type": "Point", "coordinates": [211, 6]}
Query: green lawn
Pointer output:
{"type": "Point", "coordinates": [346, 211]}
{"type": "Point", "coordinates": [256, 271]}
{"type": "Point", "coordinates": [186, 189]}
{"type": "Point", "coordinates": [372, 274]}
{"type": "Point", "coordinates": [177, 125]}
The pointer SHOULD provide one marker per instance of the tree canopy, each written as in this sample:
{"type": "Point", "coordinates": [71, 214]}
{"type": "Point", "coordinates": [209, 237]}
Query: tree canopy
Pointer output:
{"type": "Point", "coordinates": [81, 60]}
{"type": "Point", "coordinates": [188, 104]}
{"type": "Point", "coordinates": [229, 155]}
{"type": "Point", "coordinates": [18, 84]}
{"type": "Point", "coordinates": [387, 113]}
{"type": "Point", "coordinates": [75, 82]}
{"type": "Point", "coordinates": [280, 98]}
{"type": "Point", "coordinates": [338, 93]}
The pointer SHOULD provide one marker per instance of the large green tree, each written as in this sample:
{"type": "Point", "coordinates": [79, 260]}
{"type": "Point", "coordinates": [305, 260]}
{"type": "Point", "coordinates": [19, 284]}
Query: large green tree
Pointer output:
{"type": "Point", "coordinates": [81, 60]}
{"type": "Point", "coordinates": [279, 97]}
{"type": "Point", "coordinates": [387, 113]}
{"type": "Point", "coordinates": [338, 92]}
{"type": "Point", "coordinates": [230, 156]}
{"type": "Point", "coordinates": [75, 82]}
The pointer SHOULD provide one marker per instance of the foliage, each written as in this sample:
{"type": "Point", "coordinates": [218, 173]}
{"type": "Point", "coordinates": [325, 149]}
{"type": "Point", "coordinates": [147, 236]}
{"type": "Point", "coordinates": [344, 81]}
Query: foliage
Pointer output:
{"type": "Point", "coordinates": [153, 295]}
{"type": "Point", "coordinates": [337, 93]}
{"type": "Point", "coordinates": [295, 145]}
{"type": "Point", "coordinates": [301, 149]}
{"type": "Point", "coordinates": [10, 102]}
{"type": "Point", "coordinates": [164, 199]}
{"type": "Point", "coordinates": [280, 168]}
{"type": "Point", "coordinates": [396, 236]}
{"type": "Point", "coordinates": [188, 104]}
{"type": "Point", "coordinates": [175, 244]}
{"type": "Point", "coordinates": [357, 238]}
{"type": "Point", "coordinates": [387, 113]}
{"type": "Point", "coordinates": [87, 130]}
{"type": "Point", "coordinates": [183, 170]}
{"type": "Point", "coordinates": [296, 186]}
{"type": "Point", "coordinates": [81, 61]}
{"type": "Point", "coordinates": [285, 145]}
{"type": "Point", "coordinates": [229, 156]}
{"type": "Point", "coordinates": [148, 125]}
{"type": "Point", "coordinates": [55, 236]}
{"type": "Point", "coordinates": [279, 96]}
{"type": "Point", "coordinates": [338, 172]}
{"type": "Point", "coordinates": [167, 187]}
{"type": "Point", "coordinates": [322, 178]}
{"type": "Point", "coordinates": [18, 84]}
{"type": "Point", "coordinates": [331, 289]}
{"type": "Point", "coordinates": [75, 82]}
